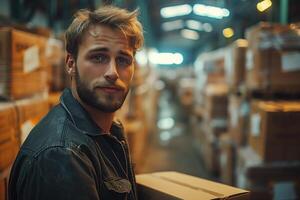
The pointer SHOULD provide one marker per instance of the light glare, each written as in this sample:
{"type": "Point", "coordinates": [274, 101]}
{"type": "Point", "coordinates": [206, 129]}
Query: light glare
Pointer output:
{"type": "Point", "coordinates": [166, 58]}
{"type": "Point", "coordinates": [189, 34]}
{"type": "Point", "coordinates": [172, 25]}
{"type": "Point", "coordinates": [210, 11]}
{"type": "Point", "coordinates": [228, 32]}
{"type": "Point", "coordinates": [174, 11]}
{"type": "Point", "coordinates": [264, 5]}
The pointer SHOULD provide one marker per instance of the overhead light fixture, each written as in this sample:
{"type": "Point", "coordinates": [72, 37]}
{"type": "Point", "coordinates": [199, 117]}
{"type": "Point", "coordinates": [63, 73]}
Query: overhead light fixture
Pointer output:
{"type": "Point", "coordinates": [175, 11]}
{"type": "Point", "coordinates": [228, 32]}
{"type": "Point", "coordinates": [193, 24]}
{"type": "Point", "coordinates": [210, 11]}
{"type": "Point", "coordinates": [166, 58]}
{"type": "Point", "coordinates": [172, 25]}
{"type": "Point", "coordinates": [189, 34]}
{"type": "Point", "coordinates": [263, 5]}
{"type": "Point", "coordinates": [207, 27]}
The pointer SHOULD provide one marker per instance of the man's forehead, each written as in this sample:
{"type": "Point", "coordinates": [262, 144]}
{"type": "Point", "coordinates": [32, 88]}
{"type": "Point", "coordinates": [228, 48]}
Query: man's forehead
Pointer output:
{"type": "Point", "coordinates": [99, 30]}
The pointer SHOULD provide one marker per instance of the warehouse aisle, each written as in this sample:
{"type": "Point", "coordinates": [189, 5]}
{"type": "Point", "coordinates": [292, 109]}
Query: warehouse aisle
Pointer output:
{"type": "Point", "coordinates": [172, 149]}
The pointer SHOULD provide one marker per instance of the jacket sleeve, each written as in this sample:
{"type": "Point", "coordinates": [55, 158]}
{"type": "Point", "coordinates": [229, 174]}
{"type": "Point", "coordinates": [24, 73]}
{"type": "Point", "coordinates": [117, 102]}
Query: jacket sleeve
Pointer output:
{"type": "Point", "coordinates": [59, 173]}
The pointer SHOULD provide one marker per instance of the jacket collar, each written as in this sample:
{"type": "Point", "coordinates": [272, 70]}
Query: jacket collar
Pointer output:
{"type": "Point", "coordinates": [82, 119]}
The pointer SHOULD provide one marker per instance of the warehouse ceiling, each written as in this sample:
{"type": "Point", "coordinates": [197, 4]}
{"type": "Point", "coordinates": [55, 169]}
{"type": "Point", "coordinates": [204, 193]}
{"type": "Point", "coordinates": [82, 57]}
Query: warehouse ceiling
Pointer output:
{"type": "Point", "coordinates": [188, 34]}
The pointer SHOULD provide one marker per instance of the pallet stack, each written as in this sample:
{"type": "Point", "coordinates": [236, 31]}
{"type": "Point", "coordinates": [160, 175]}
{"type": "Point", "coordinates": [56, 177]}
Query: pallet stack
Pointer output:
{"type": "Point", "coordinates": [238, 110]}
{"type": "Point", "coordinates": [211, 107]}
{"type": "Point", "coordinates": [24, 79]}
{"type": "Point", "coordinates": [263, 135]}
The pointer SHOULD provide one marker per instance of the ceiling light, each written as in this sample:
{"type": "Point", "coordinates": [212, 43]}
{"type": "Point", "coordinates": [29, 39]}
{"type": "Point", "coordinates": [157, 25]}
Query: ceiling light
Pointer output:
{"type": "Point", "coordinates": [172, 25]}
{"type": "Point", "coordinates": [175, 11]}
{"type": "Point", "coordinates": [228, 32]}
{"type": "Point", "coordinates": [189, 34]}
{"type": "Point", "coordinates": [193, 24]}
{"type": "Point", "coordinates": [263, 5]}
{"type": "Point", "coordinates": [166, 58]}
{"type": "Point", "coordinates": [210, 11]}
{"type": "Point", "coordinates": [207, 27]}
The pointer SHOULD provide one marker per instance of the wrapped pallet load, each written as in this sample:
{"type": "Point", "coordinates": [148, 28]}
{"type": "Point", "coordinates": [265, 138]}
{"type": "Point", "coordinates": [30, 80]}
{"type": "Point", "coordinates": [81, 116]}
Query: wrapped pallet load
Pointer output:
{"type": "Point", "coordinates": [23, 64]}
{"type": "Point", "coordinates": [273, 58]}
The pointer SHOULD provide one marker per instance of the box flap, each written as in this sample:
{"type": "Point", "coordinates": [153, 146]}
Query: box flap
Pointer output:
{"type": "Point", "coordinates": [171, 189]}
{"type": "Point", "coordinates": [201, 184]}
{"type": "Point", "coordinates": [184, 186]}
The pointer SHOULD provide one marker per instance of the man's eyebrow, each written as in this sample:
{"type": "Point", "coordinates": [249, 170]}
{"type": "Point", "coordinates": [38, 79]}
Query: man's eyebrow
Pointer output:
{"type": "Point", "coordinates": [104, 49]}
{"type": "Point", "coordinates": [98, 49]}
{"type": "Point", "coordinates": [125, 53]}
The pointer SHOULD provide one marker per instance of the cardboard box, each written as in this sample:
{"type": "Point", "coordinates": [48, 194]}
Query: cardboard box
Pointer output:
{"type": "Point", "coordinates": [261, 178]}
{"type": "Point", "coordinates": [31, 111]}
{"type": "Point", "coordinates": [238, 122]}
{"type": "Point", "coordinates": [273, 58]}
{"type": "Point", "coordinates": [8, 151]}
{"type": "Point", "coordinates": [4, 176]}
{"type": "Point", "coordinates": [235, 64]}
{"type": "Point", "coordinates": [275, 130]}
{"type": "Point", "coordinates": [174, 185]}
{"type": "Point", "coordinates": [24, 69]}
{"type": "Point", "coordinates": [9, 145]}
{"type": "Point", "coordinates": [227, 159]}
{"type": "Point", "coordinates": [216, 101]}
{"type": "Point", "coordinates": [16, 45]}
{"type": "Point", "coordinates": [210, 149]}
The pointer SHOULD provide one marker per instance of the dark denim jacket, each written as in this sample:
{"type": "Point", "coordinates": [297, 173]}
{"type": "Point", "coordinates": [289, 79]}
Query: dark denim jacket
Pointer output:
{"type": "Point", "coordinates": [67, 156]}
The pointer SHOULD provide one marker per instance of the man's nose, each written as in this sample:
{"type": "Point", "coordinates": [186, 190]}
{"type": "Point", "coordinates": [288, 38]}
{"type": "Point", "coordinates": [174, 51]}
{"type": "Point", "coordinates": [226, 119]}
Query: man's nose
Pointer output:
{"type": "Point", "coordinates": [111, 73]}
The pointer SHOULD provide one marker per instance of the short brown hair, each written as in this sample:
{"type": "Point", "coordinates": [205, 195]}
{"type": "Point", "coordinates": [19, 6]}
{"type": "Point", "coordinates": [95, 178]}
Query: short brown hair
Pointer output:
{"type": "Point", "coordinates": [112, 16]}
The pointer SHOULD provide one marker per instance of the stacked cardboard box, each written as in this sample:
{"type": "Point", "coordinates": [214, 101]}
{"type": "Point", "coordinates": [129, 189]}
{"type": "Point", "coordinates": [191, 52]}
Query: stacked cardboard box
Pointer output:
{"type": "Point", "coordinates": [273, 58]}
{"type": "Point", "coordinates": [274, 130]}
{"type": "Point", "coordinates": [8, 135]}
{"type": "Point", "coordinates": [235, 62]}
{"type": "Point", "coordinates": [214, 124]}
{"type": "Point", "coordinates": [215, 107]}
{"type": "Point", "coordinates": [209, 69]}
{"type": "Point", "coordinates": [238, 121]}
{"type": "Point", "coordinates": [9, 145]}
{"type": "Point", "coordinates": [227, 159]}
{"type": "Point", "coordinates": [262, 178]}
{"type": "Point", "coordinates": [23, 63]}
{"type": "Point", "coordinates": [30, 112]}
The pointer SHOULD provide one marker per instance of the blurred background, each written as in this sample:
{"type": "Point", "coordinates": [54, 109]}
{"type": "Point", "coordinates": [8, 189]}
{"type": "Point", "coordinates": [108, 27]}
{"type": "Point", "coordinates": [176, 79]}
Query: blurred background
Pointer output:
{"type": "Point", "coordinates": [216, 92]}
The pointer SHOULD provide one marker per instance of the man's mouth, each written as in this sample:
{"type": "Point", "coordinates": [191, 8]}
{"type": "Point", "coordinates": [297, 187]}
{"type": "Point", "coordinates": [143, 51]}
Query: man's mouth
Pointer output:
{"type": "Point", "coordinates": [110, 89]}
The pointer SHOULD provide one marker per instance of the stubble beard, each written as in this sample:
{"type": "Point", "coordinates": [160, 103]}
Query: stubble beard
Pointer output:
{"type": "Point", "coordinates": [107, 104]}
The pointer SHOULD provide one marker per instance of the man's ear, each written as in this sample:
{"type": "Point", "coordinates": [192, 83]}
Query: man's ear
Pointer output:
{"type": "Point", "coordinates": [70, 64]}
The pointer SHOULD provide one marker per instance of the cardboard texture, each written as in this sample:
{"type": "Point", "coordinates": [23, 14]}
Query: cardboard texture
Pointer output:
{"type": "Point", "coordinates": [24, 69]}
{"type": "Point", "coordinates": [4, 176]}
{"type": "Point", "coordinates": [274, 130]}
{"type": "Point", "coordinates": [174, 185]}
{"type": "Point", "coordinates": [273, 64]}
{"type": "Point", "coordinates": [31, 111]}
{"type": "Point", "coordinates": [238, 122]}
{"type": "Point", "coordinates": [8, 135]}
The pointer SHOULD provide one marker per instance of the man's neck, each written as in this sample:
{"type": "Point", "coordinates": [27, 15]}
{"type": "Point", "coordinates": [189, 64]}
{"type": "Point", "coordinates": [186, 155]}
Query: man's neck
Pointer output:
{"type": "Point", "coordinates": [102, 119]}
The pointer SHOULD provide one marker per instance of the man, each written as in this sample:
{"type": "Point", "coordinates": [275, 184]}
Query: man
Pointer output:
{"type": "Point", "coordinates": [77, 151]}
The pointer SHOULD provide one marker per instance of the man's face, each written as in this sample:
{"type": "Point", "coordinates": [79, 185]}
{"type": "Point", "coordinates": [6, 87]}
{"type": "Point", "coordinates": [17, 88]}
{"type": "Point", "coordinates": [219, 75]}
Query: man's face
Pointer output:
{"type": "Point", "coordinates": [104, 68]}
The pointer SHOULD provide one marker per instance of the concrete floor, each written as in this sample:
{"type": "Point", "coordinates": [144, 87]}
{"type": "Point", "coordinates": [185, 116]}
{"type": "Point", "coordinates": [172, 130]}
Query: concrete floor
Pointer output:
{"type": "Point", "coordinates": [172, 147]}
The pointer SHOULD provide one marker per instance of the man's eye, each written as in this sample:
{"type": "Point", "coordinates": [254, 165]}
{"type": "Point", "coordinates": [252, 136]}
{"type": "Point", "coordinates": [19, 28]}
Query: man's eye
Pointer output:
{"type": "Point", "coordinates": [100, 58]}
{"type": "Point", "coordinates": [124, 62]}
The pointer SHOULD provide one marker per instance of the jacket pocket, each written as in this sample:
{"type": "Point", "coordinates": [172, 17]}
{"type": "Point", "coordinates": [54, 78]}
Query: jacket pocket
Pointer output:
{"type": "Point", "coordinates": [117, 184]}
